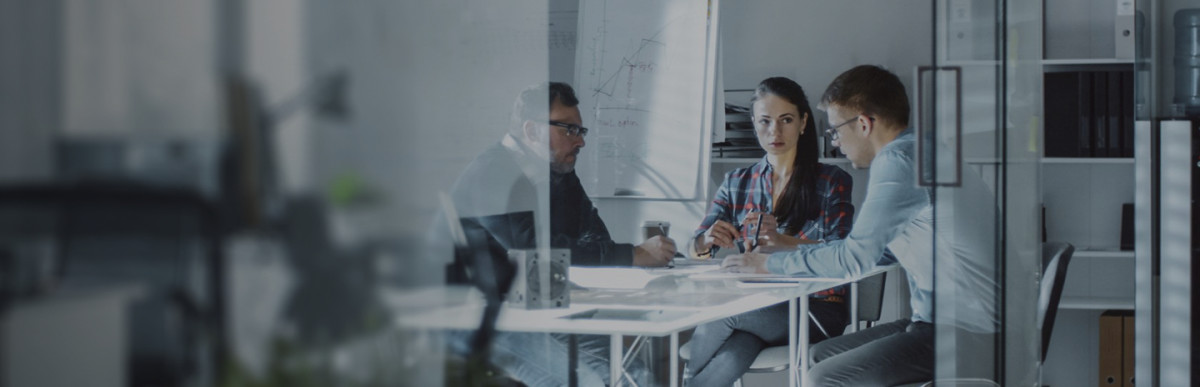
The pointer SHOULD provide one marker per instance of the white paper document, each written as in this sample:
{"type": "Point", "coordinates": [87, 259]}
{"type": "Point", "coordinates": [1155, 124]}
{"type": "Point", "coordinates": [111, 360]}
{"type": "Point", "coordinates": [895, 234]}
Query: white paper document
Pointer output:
{"type": "Point", "coordinates": [611, 277]}
{"type": "Point", "coordinates": [720, 274]}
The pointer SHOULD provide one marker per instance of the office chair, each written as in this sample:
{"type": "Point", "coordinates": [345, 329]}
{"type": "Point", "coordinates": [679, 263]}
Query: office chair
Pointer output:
{"type": "Point", "coordinates": [165, 239]}
{"type": "Point", "coordinates": [1055, 258]}
{"type": "Point", "coordinates": [867, 306]}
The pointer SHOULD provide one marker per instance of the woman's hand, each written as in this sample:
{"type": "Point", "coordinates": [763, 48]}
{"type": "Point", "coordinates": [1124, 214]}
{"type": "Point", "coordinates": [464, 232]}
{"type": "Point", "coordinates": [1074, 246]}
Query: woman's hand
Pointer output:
{"type": "Point", "coordinates": [746, 263]}
{"type": "Point", "coordinates": [769, 239]}
{"type": "Point", "coordinates": [768, 233]}
{"type": "Point", "coordinates": [721, 233]}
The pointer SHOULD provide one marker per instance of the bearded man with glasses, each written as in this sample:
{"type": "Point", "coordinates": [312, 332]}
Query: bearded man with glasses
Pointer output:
{"type": "Point", "coordinates": [511, 179]}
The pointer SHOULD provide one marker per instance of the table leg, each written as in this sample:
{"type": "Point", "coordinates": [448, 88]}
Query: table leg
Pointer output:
{"type": "Point", "coordinates": [803, 342]}
{"type": "Point", "coordinates": [631, 356]}
{"type": "Point", "coordinates": [792, 343]}
{"type": "Point", "coordinates": [854, 307]}
{"type": "Point", "coordinates": [573, 360]}
{"type": "Point", "coordinates": [615, 366]}
{"type": "Point", "coordinates": [674, 363]}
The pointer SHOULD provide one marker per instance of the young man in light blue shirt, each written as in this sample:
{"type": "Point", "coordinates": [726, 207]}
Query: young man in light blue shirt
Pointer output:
{"type": "Point", "coordinates": [868, 114]}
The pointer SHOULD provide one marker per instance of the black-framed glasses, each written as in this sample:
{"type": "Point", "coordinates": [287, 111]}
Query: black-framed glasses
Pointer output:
{"type": "Point", "coordinates": [572, 129]}
{"type": "Point", "coordinates": [832, 132]}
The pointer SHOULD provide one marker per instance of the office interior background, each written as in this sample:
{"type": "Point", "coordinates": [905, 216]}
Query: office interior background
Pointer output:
{"type": "Point", "coordinates": [246, 193]}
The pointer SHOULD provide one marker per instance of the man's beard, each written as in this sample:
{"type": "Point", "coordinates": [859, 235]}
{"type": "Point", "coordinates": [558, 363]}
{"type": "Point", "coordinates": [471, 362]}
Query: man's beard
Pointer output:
{"type": "Point", "coordinates": [557, 167]}
{"type": "Point", "coordinates": [565, 166]}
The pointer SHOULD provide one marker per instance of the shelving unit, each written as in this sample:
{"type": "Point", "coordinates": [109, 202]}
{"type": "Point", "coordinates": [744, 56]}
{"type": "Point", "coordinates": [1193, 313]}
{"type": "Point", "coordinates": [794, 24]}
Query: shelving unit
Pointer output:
{"type": "Point", "coordinates": [734, 160]}
{"type": "Point", "coordinates": [1096, 303]}
{"type": "Point", "coordinates": [1058, 160]}
{"type": "Point", "coordinates": [1081, 260]}
{"type": "Point", "coordinates": [1091, 160]}
{"type": "Point", "coordinates": [1083, 198]}
{"type": "Point", "coordinates": [1104, 254]}
{"type": "Point", "coordinates": [1052, 65]}
{"type": "Point", "coordinates": [1086, 62]}
{"type": "Point", "coordinates": [744, 161]}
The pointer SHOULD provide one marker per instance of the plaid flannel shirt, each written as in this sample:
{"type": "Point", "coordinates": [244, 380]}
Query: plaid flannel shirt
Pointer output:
{"type": "Point", "coordinates": [749, 189]}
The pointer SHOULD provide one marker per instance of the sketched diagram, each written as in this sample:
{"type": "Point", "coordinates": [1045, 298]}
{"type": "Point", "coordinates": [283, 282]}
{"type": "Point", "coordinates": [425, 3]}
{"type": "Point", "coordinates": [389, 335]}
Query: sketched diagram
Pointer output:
{"type": "Point", "coordinates": [619, 83]}
{"type": "Point", "coordinates": [617, 103]}
{"type": "Point", "coordinates": [622, 70]}
{"type": "Point", "coordinates": [640, 76]}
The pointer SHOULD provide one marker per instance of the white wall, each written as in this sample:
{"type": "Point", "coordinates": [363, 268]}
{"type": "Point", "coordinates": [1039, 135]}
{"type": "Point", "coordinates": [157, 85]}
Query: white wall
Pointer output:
{"type": "Point", "coordinates": [140, 66]}
{"type": "Point", "coordinates": [29, 87]}
{"type": "Point", "coordinates": [814, 41]}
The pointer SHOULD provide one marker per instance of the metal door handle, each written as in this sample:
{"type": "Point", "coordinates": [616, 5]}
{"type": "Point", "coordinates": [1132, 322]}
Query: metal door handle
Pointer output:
{"type": "Point", "coordinates": [926, 153]}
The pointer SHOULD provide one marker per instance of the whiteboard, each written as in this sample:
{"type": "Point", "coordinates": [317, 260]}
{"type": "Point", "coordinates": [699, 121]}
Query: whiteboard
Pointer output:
{"type": "Point", "coordinates": [644, 74]}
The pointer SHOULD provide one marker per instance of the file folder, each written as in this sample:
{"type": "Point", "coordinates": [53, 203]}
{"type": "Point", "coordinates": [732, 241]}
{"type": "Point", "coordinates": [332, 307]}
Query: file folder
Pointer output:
{"type": "Point", "coordinates": [1099, 98]}
{"type": "Point", "coordinates": [1127, 358]}
{"type": "Point", "coordinates": [1111, 340]}
{"type": "Point", "coordinates": [1127, 113]}
{"type": "Point", "coordinates": [1061, 104]}
{"type": "Point", "coordinates": [1085, 115]}
{"type": "Point", "coordinates": [1113, 114]}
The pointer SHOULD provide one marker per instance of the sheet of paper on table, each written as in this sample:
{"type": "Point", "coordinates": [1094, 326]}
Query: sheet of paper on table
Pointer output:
{"type": "Point", "coordinates": [611, 277]}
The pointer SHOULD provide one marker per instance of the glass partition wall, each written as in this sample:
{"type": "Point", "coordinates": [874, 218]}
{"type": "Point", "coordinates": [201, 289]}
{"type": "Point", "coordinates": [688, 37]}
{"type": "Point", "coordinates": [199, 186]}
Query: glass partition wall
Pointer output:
{"type": "Point", "coordinates": [977, 117]}
{"type": "Point", "coordinates": [436, 91]}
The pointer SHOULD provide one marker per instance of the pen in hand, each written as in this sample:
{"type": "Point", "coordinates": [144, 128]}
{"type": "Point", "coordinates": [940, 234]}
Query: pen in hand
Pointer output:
{"type": "Point", "coordinates": [663, 232]}
{"type": "Point", "coordinates": [757, 228]}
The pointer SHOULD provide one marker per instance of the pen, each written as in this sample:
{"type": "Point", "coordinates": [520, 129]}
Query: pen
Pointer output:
{"type": "Point", "coordinates": [757, 228]}
{"type": "Point", "coordinates": [671, 261]}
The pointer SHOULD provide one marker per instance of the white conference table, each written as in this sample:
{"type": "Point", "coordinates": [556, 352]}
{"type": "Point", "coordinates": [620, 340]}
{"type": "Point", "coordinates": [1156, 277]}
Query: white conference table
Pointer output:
{"type": "Point", "coordinates": [675, 300]}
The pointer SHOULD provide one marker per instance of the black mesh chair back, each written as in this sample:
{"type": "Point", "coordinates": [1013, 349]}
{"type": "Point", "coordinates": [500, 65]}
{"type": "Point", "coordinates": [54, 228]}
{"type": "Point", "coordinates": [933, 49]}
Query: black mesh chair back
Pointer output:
{"type": "Point", "coordinates": [1055, 257]}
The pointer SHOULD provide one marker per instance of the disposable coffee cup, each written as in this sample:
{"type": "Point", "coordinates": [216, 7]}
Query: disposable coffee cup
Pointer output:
{"type": "Point", "coordinates": [652, 228]}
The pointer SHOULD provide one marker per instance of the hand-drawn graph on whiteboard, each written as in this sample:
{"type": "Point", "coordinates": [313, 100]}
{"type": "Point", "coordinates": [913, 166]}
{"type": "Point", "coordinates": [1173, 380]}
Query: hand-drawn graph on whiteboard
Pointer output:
{"type": "Point", "coordinates": [642, 70]}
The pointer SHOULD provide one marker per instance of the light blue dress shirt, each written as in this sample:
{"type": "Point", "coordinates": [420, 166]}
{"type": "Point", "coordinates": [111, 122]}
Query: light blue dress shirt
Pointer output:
{"type": "Point", "coordinates": [899, 215]}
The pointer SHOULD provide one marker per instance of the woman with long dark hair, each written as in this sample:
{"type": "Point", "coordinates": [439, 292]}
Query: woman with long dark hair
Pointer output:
{"type": "Point", "coordinates": [797, 200]}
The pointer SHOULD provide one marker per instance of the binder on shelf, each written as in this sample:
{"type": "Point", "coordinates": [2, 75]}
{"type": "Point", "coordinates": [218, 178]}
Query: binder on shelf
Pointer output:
{"type": "Point", "coordinates": [1088, 113]}
{"type": "Point", "coordinates": [1085, 115]}
{"type": "Point", "coordinates": [1099, 98]}
{"type": "Point", "coordinates": [1111, 340]}
{"type": "Point", "coordinates": [1127, 356]}
{"type": "Point", "coordinates": [1062, 114]}
{"type": "Point", "coordinates": [1127, 113]}
{"type": "Point", "coordinates": [1115, 141]}
{"type": "Point", "coordinates": [1127, 226]}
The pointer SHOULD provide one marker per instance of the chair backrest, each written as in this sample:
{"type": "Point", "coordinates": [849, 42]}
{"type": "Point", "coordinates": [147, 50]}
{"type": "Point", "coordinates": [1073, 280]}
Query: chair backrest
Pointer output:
{"type": "Point", "coordinates": [1055, 257]}
{"type": "Point", "coordinates": [870, 297]}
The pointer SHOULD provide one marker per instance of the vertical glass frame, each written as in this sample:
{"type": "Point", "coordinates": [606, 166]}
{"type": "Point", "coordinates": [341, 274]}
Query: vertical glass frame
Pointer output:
{"type": "Point", "coordinates": [984, 109]}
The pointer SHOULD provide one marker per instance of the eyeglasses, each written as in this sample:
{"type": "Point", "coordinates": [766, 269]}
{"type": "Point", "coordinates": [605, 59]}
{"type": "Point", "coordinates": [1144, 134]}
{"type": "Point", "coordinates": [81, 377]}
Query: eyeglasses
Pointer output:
{"type": "Point", "coordinates": [832, 132]}
{"type": "Point", "coordinates": [572, 129]}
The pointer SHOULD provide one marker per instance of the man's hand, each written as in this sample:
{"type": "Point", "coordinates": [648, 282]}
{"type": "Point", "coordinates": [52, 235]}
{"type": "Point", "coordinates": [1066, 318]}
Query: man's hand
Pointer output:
{"type": "Point", "coordinates": [656, 251]}
{"type": "Point", "coordinates": [746, 263]}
